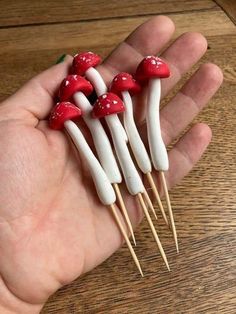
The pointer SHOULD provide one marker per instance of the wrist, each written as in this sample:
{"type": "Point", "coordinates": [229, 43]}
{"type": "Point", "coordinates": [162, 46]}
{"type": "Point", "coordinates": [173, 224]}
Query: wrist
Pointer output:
{"type": "Point", "coordinates": [10, 304]}
{"type": "Point", "coordinates": [26, 309]}
{"type": "Point", "coordinates": [20, 308]}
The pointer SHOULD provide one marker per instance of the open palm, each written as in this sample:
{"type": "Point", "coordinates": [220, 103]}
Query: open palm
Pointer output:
{"type": "Point", "coordinates": [52, 225]}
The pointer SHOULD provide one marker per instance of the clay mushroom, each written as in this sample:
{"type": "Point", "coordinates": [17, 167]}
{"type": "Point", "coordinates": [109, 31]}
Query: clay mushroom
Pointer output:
{"type": "Point", "coordinates": [61, 117]}
{"type": "Point", "coordinates": [125, 85]}
{"type": "Point", "coordinates": [151, 70]}
{"type": "Point", "coordinates": [76, 88]}
{"type": "Point", "coordinates": [108, 106]}
{"type": "Point", "coordinates": [84, 64]}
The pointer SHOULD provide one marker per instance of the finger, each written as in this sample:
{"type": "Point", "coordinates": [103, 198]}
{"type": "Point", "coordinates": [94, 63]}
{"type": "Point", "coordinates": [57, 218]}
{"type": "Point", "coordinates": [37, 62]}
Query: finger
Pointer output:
{"type": "Point", "coordinates": [33, 101]}
{"type": "Point", "coordinates": [181, 56]}
{"type": "Point", "coordinates": [148, 38]}
{"type": "Point", "coordinates": [189, 101]}
{"type": "Point", "coordinates": [187, 151]}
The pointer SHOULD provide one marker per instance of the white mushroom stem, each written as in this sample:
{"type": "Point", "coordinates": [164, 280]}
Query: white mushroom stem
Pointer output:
{"type": "Point", "coordinates": [104, 151]}
{"type": "Point", "coordinates": [139, 149]}
{"type": "Point", "coordinates": [103, 186]}
{"type": "Point", "coordinates": [100, 87]}
{"type": "Point", "coordinates": [157, 147]}
{"type": "Point", "coordinates": [100, 139]}
{"type": "Point", "coordinates": [135, 140]}
{"type": "Point", "coordinates": [96, 80]}
{"type": "Point", "coordinates": [131, 175]}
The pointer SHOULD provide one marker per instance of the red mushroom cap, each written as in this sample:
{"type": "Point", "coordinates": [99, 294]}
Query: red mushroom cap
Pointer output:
{"type": "Point", "coordinates": [124, 82]}
{"type": "Point", "coordinates": [72, 84]}
{"type": "Point", "coordinates": [107, 104]}
{"type": "Point", "coordinates": [62, 112]}
{"type": "Point", "coordinates": [85, 60]}
{"type": "Point", "coordinates": [151, 67]}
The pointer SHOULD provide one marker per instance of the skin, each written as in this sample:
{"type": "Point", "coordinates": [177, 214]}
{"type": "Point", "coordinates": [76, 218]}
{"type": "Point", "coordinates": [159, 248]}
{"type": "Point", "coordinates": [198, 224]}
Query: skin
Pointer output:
{"type": "Point", "coordinates": [52, 225]}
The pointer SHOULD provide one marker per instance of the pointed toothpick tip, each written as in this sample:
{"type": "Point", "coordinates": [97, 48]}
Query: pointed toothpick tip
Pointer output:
{"type": "Point", "coordinates": [175, 239]}
{"type": "Point", "coordinates": [155, 215]}
{"type": "Point", "coordinates": [135, 244]}
{"type": "Point", "coordinates": [177, 247]}
{"type": "Point", "coordinates": [122, 230]}
{"type": "Point", "coordinates": [141, 272]}
{"type": "Point", "coordinates": [166, 221]}
{"type": "Point", "coordinates": [172, 222]}
{"type": "Point", "coordinates": [153, 230]}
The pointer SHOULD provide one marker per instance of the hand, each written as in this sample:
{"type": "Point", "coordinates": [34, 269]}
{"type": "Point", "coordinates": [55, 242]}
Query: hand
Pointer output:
{"type": "Point", "coordinates": [52, 225]}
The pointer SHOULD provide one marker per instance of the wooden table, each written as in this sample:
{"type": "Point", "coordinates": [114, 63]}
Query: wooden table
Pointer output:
{"type": "Point", "coordinates": [33, 34]}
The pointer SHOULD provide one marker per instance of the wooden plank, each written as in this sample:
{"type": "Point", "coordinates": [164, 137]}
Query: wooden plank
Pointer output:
{"type": "Point", "coordinates": [38, 47]}
{"type": "Point", "coordinates": [201, 281]}
{"type": "Point", "coordinates": [38, 12]}
{"type": "Point", "coordinates": [108, 32]}
{"type": "Point", "coordinates": [229, 6]}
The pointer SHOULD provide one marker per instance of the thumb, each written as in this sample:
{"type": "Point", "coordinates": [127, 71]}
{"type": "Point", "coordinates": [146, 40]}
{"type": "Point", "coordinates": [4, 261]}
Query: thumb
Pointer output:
{"type": "Point", "coordinates": [34, 100]}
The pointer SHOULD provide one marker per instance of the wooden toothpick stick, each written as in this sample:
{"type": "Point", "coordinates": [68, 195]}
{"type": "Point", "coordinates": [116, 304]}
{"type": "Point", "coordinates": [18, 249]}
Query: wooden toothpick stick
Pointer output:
{"type": "Point", "coordinates": [122, 230]}
{"type": "Point", "coordinates": [157, 196]}
{"type": "Point", "coordinates": [140, 198]}
{"type": "Point", "coordinates": [124, 211]}
{"type": "Point", "coordinates": [149, 202]}
{"type": "Point", "coordinates": [169, 209]}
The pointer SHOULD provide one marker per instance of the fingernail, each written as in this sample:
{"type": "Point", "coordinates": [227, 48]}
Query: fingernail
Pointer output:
{"type": "Point", "coordinates": [61, 59]}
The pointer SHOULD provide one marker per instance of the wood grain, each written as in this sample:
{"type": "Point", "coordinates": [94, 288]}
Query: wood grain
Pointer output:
{"type": "Point", "coordinates": [229, 6]}
{"type": "Point", "coordinates": [38, 47]}
{"type": "Point", "coordinates": [203, 276]}
{"type": "Point", "coordinates": [26, 12]}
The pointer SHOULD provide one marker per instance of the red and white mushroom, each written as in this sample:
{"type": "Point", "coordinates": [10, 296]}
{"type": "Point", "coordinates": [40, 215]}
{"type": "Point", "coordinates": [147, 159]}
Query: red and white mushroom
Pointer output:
{"type": "Point", "coordinates": [151, 70]}
{"type": "Point", "coordinates": [76, 88]}
{"type": "Point", "coordinates": [108, 106]}
{"type": "Point", "coordinates": [84, 63]}
{"type": "Point", "coordinates": [125, 85]}
{"type": "Point", "coordinates": [61, 117]}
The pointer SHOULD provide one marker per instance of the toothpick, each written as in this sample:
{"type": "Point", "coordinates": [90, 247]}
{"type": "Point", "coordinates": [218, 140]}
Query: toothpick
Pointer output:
{"type": "Point", "coordinates": [169, 209]}
{"type": "Point", "coordinates": [157, 196]}
{"type": "Point", "coordinates": [140, 197]}
{"type": "Point", "coordinates": [124, 210]}
{"type": "Point", "coordinates": [149, 202]}
{"type": "Point", "coordinates": [122, 230]}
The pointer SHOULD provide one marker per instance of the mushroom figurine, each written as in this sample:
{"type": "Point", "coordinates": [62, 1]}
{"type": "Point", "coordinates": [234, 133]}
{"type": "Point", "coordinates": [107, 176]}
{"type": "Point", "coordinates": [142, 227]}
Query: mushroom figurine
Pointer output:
{"type": "Point", "coordinates": [84, 64]}
{"type": "Point", "coordinates": [151, 70]}
{"type": "Point", "coordinates": [76, 88]}
{"type": "Point", "coordinates": [125, 85]}
{"type": "Point", "coordinates": [107, 106]}
{"type": "Point", "coordinates": [61, 117]}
